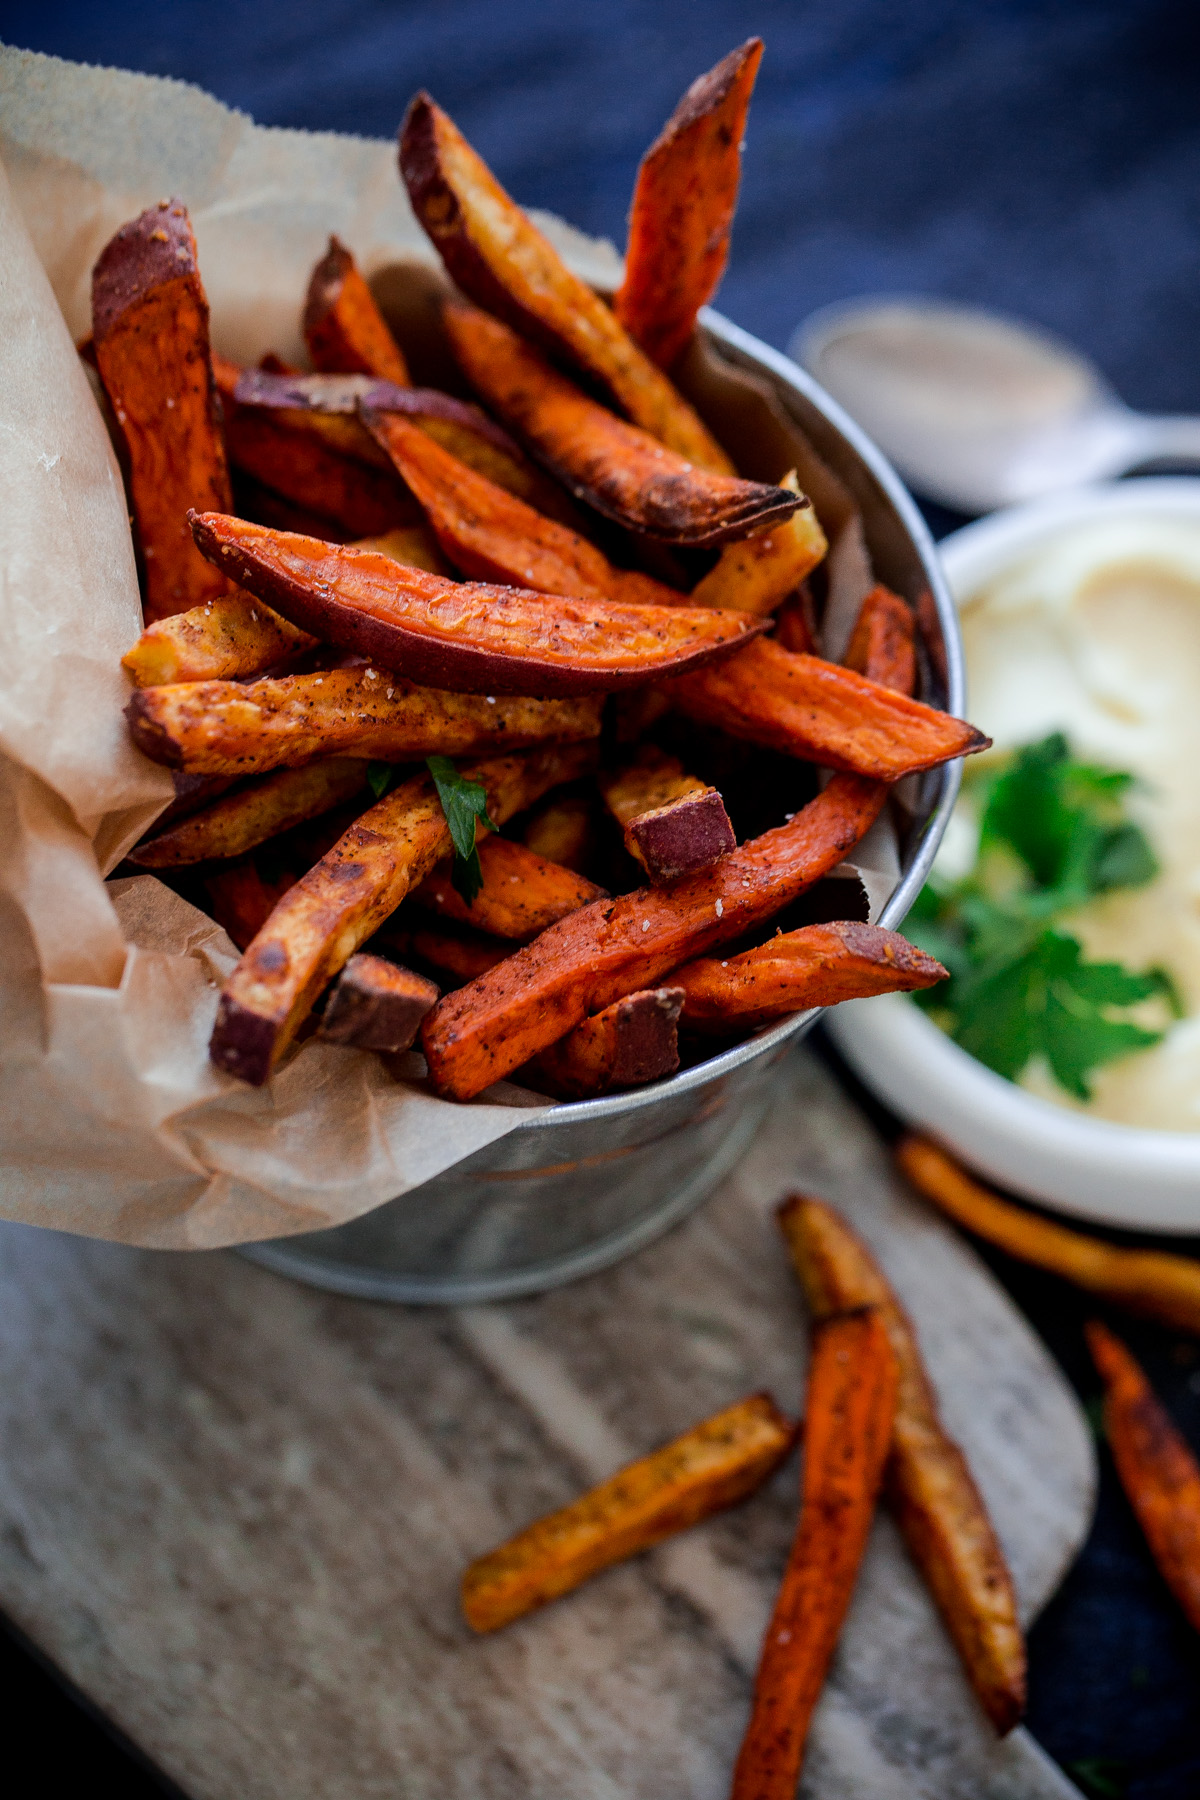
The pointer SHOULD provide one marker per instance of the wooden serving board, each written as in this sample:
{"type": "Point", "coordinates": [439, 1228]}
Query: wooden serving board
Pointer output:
{"type": "Point", "coordinates": [235, 1510]}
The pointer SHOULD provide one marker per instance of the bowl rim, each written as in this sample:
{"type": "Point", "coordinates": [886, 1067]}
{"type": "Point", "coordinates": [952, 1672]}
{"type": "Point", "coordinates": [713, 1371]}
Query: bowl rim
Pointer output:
{"type": "Point", "coordinates": [743, 348]}
{"type": "Point", "coordinates": [929, 1064]}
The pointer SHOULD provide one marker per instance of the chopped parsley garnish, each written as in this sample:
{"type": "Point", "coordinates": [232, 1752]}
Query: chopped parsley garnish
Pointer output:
{"type": "Point", "coordinates": [465, 806]}
{"type": "Point", "coordinates": [1053, 835]}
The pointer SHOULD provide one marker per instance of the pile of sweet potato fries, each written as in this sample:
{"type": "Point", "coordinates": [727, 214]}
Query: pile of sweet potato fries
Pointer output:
{"type": "Point", "coordinates": [384, 621]}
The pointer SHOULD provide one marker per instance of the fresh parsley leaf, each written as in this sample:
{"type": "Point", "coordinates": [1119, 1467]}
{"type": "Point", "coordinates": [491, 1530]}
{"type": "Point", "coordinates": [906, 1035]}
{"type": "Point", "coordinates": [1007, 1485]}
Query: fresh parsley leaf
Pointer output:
{"type": "Point", "coordinates": [464, 803]}
{"type": "Point", "coordinates": [380, 776]}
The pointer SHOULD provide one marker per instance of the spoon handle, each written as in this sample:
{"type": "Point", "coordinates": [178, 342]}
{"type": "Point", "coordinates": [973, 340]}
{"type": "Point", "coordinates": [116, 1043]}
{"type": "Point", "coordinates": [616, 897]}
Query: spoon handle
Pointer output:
{"type": "Point", "coordinates": [1165, 438]}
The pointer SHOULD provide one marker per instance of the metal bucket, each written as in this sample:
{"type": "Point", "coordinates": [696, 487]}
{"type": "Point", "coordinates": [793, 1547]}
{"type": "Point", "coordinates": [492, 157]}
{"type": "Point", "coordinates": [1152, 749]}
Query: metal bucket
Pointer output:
{"type": "Point", "coordinates": [573, 1188]}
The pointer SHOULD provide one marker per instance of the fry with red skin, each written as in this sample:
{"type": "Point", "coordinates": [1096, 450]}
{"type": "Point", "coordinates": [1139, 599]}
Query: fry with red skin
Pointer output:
{"type": "Point", "coordinates": [616, 468]}
{"type": "Point", "coordinates": [683, 207]}
{"type": "Point", "coordinates": [714, 1465]}
{"type": "Point", "coordinates": [818, 965]}
{"type": "Point", "coordinates": [757, 574]}
{"type": "Point", "coordinates": [850, 1408]}
{"type": "Point", "coordinates": [823, 713]}
{"type": "Point", "coordinates": [630, 1043]}
{"type": "Point", "coordinates": [343, 327]}
{"type": "Point", "coordinates": [459, 952]}
{"type": "Point", "coordinates": [672, 823]}
{"type": "Point", "coordinates": [376, 1005]}
{"type": "Point", "coordinates": [238, 823]}
{"type": "Point", "coordinates": [249, 728]}
{"type": "Point", "coordinates": [928, 1482]}
{"type": "Point", "coordinates": [490, 535]}
{"type": "Point", "coordinates": [1157, 1469]}
{"type": "Point", "coordinates": [467, 636]}
{"type": "Point", "coordinates": [614, 947]}
{"type": "Point", "coordinates": [150, 343]}
{"type": "Point", "coordinates": [563, 832]}
{"type": "Point", "coordinates": [1151, 1282]}
{"type": "Point", "coordinates": [521, 894]}
{"type": "Point", "coordinates": [883, 643]}
{"type": "Point", "coordinates": [241, 900]}
{"type": "Point", "coordinates": [338, 904]}
{"type": "Point", "coordinates": [497, 257]}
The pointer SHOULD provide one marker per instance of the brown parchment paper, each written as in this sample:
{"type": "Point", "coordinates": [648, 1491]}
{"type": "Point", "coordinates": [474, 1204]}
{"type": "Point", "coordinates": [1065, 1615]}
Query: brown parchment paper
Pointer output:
{"type": "Point", "coordinates": [113, 1122]}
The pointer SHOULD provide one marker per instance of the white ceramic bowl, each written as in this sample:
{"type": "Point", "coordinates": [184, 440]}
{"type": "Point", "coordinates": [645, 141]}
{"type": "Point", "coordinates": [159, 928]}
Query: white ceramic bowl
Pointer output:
{"type": "Point", "coordinates": [1148, 1180]}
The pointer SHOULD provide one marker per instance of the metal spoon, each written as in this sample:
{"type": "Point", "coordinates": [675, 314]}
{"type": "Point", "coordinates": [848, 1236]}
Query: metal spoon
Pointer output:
{"type": "Point", "coordinates": [976, 410]}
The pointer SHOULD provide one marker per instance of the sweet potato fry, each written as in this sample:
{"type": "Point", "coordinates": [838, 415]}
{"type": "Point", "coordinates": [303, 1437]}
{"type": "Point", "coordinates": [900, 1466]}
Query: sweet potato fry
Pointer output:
{"type": "Point", "coordinates": [563, 832]}
{"type": "Point", "coordinates": [1157, 1469]}
{"type": "Point", "coordinates": [336, 906]}
{"type": "Point", "coordinates": [616, 468]}
{"type": "Point", "coordinates": [237, 635]}
{"type": "Point", "coordinates": [1151, 1282]}
{"type": "Point", "coordinates": [759, 573]}
{"type": "Point", "coordinates": [928, 1482]}
{"type": "Point", "coordinates": [683, 208]}
{"type": "Point", "coordinates": [712, 1466]}
{"type": "Point", "coordinates": [241, 900]}
{"type": "Point", "coordinates": [796, 623]}
{"type": "Point", "coordinates": [467, 636]}
{"type": "Point", "coordinates": [822, 712]}
{"type": "Point", "coordinates": [490, 535]}
{"type": "Point", "coordinates": [294, 457]}
{"type": "Point", "coordinates": [851, 1404]}
{"type": "Point", "coordinates": [521, 894]}
{"type": "Point", "coordinates": [632, 1042]}
{"type": "Point", "coordinates": [672, 823]}
{"type": "Point", "coordinates": [237, 823]}
{"type": "Point", "coordinates": [248, 728]}
{"type": "Point", "coordinates": [376, 1005]}
{"type": "Point", "coordinates": [150, 325]}
{"type": "Point", "coordinates": [818, 965]}
{"type": "Point", "coordinates": [883, 643]}
{"type": "Point", "coordinates": [459, 952]}
{"type": "Point", "coordinates": [614, 947]}
{"type": "Point", "coordinates": [343, 327]}
{"type": "Point", "coordinates": [499, 258]}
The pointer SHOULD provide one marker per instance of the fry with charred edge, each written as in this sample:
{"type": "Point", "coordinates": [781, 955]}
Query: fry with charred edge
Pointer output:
{"type": "Point", "coordinates": [928, 1482]}
{"type": "Point", "coordinates": [241, 900]}
{"type": "Point", "coordinates": [614, 947]}
{"type": "Point", "coordinates": [616, 468]}
{"type": "Point", "coordinates": [822, 712]}
{"type": "Point", "coordinates": [712, 1466]}
{"type": "Point", "coordinates": [883, 643]}
{"type": "Point", "coordinates": [521, 894]}
{"type": "Point", "coordinates": [683, 208]}
{"type": "Point", "coordinates": [376, 1005]}
{"type": "Point", "coordinates": [464, 635]}
{"type": "Point", "coordinates": [150, 323]}
{"type": "Point", "coordinates": [343, 327]}
{"type": "Point", "coordinates": [238, 635]}
{"type": "Point", "coordinates": [672, 824]}
{"type": "Point", "coordinates": [850, 1407]}
{"type": "Point", "coordinates": [563, 832]}
{"type": "Point", "coordinates": [248, 728]}
{"type": "Point", "coordinates": [238, 822]}
{"type": "Point", "coordinates": [757, 574]}
{"type": "Point", "coordinates": [630, 1043]}
{"type": "Point", "coordinates": [461, 953]}
{"type": "Point", "coordinates": [818, 965]}
{"type": "Point", "coordinates": [1150, 1282]}
{"type": "Point", "coordinates": [498, 258]}
{"type": "Point", "coordinates": [1158, 1471]}
{"type": "Point", "coordinates": [490, 535]}
{"type": "Point", "coordinates": [322, 920]}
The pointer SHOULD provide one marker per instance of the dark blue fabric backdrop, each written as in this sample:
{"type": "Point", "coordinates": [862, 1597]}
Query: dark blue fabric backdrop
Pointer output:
{"type": "Point", "coordinates": [1041, 156]}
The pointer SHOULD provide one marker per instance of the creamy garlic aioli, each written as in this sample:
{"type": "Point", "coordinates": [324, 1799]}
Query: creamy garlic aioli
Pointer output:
{"type": "Point", "coordinates": [1097, 634]}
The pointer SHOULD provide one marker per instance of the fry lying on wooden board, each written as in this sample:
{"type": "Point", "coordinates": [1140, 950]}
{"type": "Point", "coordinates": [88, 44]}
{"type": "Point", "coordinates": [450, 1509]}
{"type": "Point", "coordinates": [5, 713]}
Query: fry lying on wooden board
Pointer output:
{"type": "Point", "coordinates": [613, 947]}
{"type": "Point", "coordinates": [468, 636]}
{"type": "Point", "coordinates": [1157, 1470]}
{"type": "Point", "coordinates": [929, 1485]}
{"type": "Point", "coordinates": [630, 1043]}
{"type": "Point", "coordinates": [522, 892]}
{"type": "Point", "coordinates": [247, 728]}
{"type": "Point", "coordinates": [150, 338]}
{"type": "Point", "coordinates": [712, 1466]}
{"type": "Point", "coordinates": [818, 965]}
{"type": "Point", "coordinates": [848, 1418]}
{"type": "Point", "coordinates": [672, 824]}
{"type": "Point", "coordinates": [498, 257]}
{"type": "Point", "coordinates": [376, 1005]}
{"type": "Point", "coordinates": [614, 467]}
{"type": "Point", "coordinates": [238, 823]}
{"type": "Point", "coordinates": [343, 327]}
{"type": "Point", "coordinates": [683, 207]}
{"type": "Point", "coordinates": [1151, 1282]}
